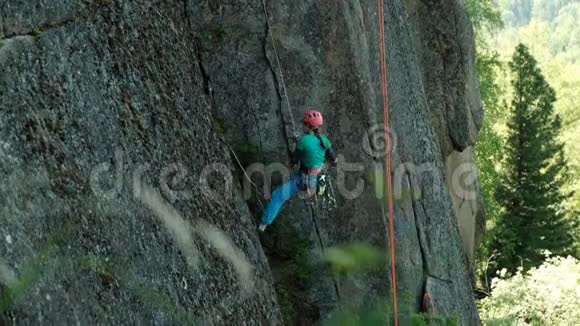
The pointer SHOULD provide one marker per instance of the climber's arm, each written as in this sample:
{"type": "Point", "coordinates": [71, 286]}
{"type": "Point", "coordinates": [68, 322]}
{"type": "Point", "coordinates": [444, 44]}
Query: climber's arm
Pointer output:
{"type": "Point", "coordinates": [295, 156]}
{"type": "Point", "coordinates": [331, 156]}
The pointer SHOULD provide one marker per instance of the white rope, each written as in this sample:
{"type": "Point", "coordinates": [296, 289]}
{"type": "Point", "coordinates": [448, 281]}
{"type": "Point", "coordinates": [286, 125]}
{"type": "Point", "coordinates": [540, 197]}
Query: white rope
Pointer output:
{"type": "Point", "coordinates": [247, 176]}
{"type": "Point", "coordinates": [279, 67]}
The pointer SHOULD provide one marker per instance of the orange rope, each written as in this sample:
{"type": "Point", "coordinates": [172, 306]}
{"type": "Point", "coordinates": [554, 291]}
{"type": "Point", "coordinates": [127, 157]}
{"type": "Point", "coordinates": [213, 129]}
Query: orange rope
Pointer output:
{"type": "Point", "coordinates": [384, 88]}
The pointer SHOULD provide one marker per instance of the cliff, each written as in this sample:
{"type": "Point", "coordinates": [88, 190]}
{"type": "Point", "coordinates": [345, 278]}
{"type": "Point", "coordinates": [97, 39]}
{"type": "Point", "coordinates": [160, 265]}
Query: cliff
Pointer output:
{"type": "Point", "coordinates": [104, 104]}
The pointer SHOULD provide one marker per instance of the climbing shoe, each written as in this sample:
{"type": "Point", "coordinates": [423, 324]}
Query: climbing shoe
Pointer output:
{"type": "Point", "coordinates": [262, 227]}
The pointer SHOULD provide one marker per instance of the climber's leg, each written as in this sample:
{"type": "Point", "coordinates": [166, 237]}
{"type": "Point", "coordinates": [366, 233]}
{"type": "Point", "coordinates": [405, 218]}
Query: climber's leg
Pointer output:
{"type": "Point", "coordinates": [279, 197]}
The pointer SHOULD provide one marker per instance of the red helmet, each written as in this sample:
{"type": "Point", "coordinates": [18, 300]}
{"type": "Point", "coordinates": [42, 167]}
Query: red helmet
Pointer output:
{"type": "Point", "coordinates": [313, 118]}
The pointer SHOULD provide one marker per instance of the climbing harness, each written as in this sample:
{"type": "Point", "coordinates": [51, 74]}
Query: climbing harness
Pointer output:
{"type": "Point", "coordinates": [384, 89]}
{"type": "Point", "coordinates": [322, 193]}
{"type": "Point", "coordinates": [307, 185]}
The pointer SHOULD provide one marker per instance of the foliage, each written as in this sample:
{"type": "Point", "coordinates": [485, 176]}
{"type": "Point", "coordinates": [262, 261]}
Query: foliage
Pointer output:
{"type": "Point", "coordinates": [361, 258]}
{"type": "Point", "coordinates": [520, 12]}
{"type": "Point", "coordinates": [550, 27]}
{"type": "Point", "coordinates": [287, 250]}
{"type": "Point", "coordinates": [552, 40]}
{"type": "Point", "coordinates": [95, 264]}
{"type": "Point", "coordinates": [354, 258]}
{"type": "Point", "coordinates": [36, 31]}
{"type": "Point", "coordinates": [37, 268]}
{"type": "Point", "coordinates": [534, 169]}
{"type": "Point", "coordinates": [516, 12]}
{"type": "Point", "coordinates": [547, 295]}
{"type": "Point", "coordinates": [484, 15]}
{"type": "Point", "coordinates": [101, 267]}
{"type": "Point", "coordinates": [426, 319]}
{"type": "Point", "coordinates": [486, 20]}
{"type": "Point", "coordinates": [285, 304]}
{"type": "Point", "coordinates": [380, 314]}
{"type": "Point", "coordinates": [30, 276]}
{"type": "Point", "coordinates": [552, 33]}
{"type": "Point", "coordinates": [157, 299]}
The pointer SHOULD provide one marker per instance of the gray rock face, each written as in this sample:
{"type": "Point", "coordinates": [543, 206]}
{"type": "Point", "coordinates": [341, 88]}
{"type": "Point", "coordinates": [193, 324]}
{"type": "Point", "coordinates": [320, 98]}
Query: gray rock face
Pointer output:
{"type": "Point", "coordinates": [329, 59]}
{"type": "Point", "coordinates": [104, 98]}
{"type": "Point", "coordinates": [98, 99]}
{"type": "Point", "coordinates": [446, 52]}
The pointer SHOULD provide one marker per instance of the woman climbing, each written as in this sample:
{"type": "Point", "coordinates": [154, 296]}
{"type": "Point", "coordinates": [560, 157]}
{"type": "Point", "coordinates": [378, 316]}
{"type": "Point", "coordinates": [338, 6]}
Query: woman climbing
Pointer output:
{"type": "Point", "coordinates": [311, 152]}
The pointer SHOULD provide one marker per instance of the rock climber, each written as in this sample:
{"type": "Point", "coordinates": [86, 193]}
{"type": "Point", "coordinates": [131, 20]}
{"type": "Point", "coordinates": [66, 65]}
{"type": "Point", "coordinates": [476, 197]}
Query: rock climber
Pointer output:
{"type": "Point", "coordinates": [312, 151]}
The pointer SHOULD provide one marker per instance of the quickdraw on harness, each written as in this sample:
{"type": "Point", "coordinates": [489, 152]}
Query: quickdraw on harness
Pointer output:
{"type": "Point", "coordinates": [323, 193]}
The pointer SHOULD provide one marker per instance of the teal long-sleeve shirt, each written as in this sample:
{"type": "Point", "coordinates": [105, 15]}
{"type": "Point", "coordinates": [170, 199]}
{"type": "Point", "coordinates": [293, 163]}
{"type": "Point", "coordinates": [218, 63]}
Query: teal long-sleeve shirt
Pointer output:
{"type": "Point", "coordinates": [311, 153]}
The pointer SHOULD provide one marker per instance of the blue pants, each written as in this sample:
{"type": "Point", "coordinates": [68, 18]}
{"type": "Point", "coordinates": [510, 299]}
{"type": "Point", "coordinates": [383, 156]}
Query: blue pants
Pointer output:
{"type": "Point", "coordinates": [283, 193]}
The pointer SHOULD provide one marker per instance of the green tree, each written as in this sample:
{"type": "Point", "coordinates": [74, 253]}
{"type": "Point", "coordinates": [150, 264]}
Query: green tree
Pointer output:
{"type": "Point", "coordinates": [488, 152]}
{"type": "Point", "coordinates": [548, 9]}
{"type": "Point", "coordinates": [484, 15]}
{"type": "Point", "coordinates": [516, 12]}
{"type": "Point", "coordinates": [531, 182]}
{"type": "Point", "coordinates": [486, 20]}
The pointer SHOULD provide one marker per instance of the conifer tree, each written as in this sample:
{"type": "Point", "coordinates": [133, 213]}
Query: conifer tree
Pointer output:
{"type": "Point", "coordinates": [533, 172]}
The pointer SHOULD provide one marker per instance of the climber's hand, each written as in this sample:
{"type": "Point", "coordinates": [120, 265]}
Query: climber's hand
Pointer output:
{"type": "Point", "coordinates": [295, 136]}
